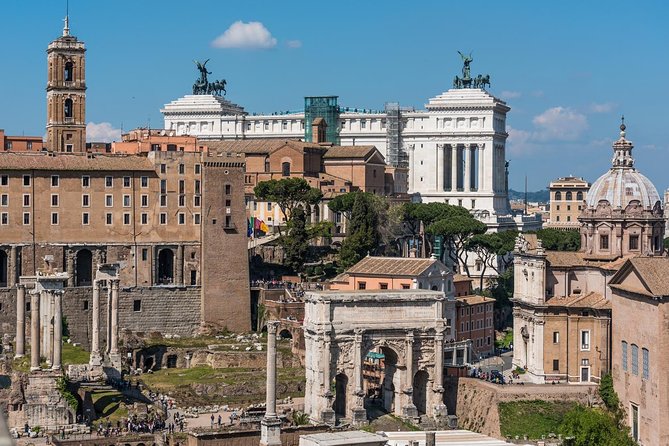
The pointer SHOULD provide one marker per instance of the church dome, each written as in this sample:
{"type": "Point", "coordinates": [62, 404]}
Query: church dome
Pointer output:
{"type": "Point", "coordinates": [623, 183]}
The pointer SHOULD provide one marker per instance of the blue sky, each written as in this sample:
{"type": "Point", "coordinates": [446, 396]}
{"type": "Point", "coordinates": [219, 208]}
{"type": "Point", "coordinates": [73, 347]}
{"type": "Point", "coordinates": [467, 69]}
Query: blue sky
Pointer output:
{"type": "Point", "coordinates": [568, 69]}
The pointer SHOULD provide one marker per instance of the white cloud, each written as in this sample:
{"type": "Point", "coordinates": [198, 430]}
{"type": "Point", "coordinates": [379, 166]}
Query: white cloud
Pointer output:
{"type": "Point", "coordinates": [510, 94]}
{"type": "Point", "coordinates": [294, 44]}
{"type": "Point", "coordinates": [560, 123]}
{"type": "Point", "coordinates": [251, 35]}
{"type": "Point", "coordinates": [102, 132]}
{"type": "Point", "coordinates": [602, 108]}
{"type": "Point", "coordinates": [520, 141]}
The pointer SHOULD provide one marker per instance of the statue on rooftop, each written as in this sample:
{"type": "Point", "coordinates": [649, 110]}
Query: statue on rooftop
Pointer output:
{"type": "Point", "coordinates": [466, 61]}
{"type": "Point", "coordinates": [202, 84]}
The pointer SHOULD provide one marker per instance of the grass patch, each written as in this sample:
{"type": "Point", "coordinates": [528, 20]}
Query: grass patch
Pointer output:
{"type": "Point", "coordinates": [532, 418]}
{"type": "Point", "coordinates": [74, 355]}
{"type": "Point", "coordinates": [110, 405]}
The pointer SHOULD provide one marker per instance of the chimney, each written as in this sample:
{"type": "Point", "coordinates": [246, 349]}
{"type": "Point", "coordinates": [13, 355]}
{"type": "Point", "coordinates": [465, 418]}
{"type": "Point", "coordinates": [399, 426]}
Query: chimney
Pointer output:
{"type": "Point", "coordinates": [318, 127]}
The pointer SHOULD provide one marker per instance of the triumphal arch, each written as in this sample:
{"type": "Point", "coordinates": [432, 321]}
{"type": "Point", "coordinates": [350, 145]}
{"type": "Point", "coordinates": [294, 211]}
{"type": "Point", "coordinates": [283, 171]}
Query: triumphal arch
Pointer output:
{"type": "Point", "coordinates": [372, 352]}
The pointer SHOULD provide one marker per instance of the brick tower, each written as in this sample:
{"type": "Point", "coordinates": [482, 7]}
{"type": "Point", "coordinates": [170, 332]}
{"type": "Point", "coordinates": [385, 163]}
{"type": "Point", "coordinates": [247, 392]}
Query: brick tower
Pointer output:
{"type": "Point", "coordinates": [66, 93]}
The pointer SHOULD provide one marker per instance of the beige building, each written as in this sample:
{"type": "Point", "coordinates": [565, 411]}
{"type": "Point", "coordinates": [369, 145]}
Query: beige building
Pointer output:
{"type": "Point", "coordinates": [567, 201]}
{"type": "Point", "coordinates": [640, 342]}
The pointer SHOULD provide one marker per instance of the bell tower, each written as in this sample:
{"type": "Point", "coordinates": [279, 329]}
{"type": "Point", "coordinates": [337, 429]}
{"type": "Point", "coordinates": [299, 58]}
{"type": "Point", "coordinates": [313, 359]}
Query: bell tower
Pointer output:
{"type": "Point", "coordinates": [66, 93]}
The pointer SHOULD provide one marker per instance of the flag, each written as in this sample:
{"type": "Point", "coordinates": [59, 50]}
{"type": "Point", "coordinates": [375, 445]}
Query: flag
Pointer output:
{"type": "Point", "coordinates": [249, 227]}
{"type": "Point", "coordinates": [263, 227]}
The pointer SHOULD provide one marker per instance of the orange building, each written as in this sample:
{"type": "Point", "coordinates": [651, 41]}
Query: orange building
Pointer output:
{"type": "Point", "coordinates": [151, 140]}
{"type": "Point", "coordinates": [20, 143]}
{"type": "Point", "coordinates": [474, 316]}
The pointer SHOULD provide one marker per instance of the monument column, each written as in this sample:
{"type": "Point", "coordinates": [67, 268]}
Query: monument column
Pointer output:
{"type": "Point", "coordinates": [440, 167]}
{"type": "Point", "coordinates": [358, 413]}
{"type": "Point", "coordinates": [409, 409]}
{"type": "Point", "coordinates": [95, 335]}
{"type": "Point", "coordinates": [108, 331]}
{"type": "Point", "coordinates": [113, 349]}
{"type": "Point", "coordinates": [270, 426]}
{"type": "Point", "coordinates": [467, 155]}
{"type": "Point", "coordinates": [34, 330]}
{"type": "Point", "coordinates": [70, 266]}
{"type": "Point", "coordinates": [20, 348]}
{"type": "Point", "coordinates": [454, 167]}
{"type": "Point", "coordinates": [482, 180]}
{"type": "Point", "coordinates": [57, 329]}
{"type": "Point", "coordinates": [13, 268]}
{"type": "Point", "coordinates": [439, 406]}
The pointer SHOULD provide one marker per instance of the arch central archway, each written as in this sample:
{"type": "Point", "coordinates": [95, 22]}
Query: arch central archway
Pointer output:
{"type": "Point", "coordinates": [380, 381]}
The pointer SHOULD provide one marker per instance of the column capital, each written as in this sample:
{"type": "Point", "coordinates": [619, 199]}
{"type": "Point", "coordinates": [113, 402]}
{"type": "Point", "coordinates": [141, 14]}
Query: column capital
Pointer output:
{"type": "Point", "coordinates": [272, 327]}
{"type": "Point", "coordinates": [20, 286]}
{"type": "Point", "coordinates": [115, 283]}
{"type": "Point", "coordinates": [410, 335]}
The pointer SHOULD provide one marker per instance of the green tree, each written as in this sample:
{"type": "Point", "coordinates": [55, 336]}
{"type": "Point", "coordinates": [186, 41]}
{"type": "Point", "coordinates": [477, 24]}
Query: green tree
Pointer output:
{"type": "Point", "coordinates": [288, 194]}
{"type": "Point", "coordinates": [457, 231]}
{"type": "Point", "coordinates": [493, 251]}
{"type": "Point", "coordinates": [593, 427]}
{"type": "Point", "coordinates": [556, 240]}
{"type": "Point", "coordinates": [363, 231]}
{"type": "Point", "coordinates": [296, 240]}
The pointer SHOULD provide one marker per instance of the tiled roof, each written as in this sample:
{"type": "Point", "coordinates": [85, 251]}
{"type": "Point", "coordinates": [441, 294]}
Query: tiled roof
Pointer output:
{"type": "Point", "coordinates": [391, 266]}
{"type": "Point", "coordinates": [461, 278]}
{"type": "Point", "coordinates": [474, 299]}
{"type": "Point", "coordinates": [339, 152]}
{"type": "Point", "coordinates": [654, 272]}
{"type": "Point", "coordinates": [568, 259]}
{"type": "Point", "coordinates": [590, 300]}
{"type": "Point", "coordinates": [78, 162]}
{"type": "Point", "coordinates": [256, 145]}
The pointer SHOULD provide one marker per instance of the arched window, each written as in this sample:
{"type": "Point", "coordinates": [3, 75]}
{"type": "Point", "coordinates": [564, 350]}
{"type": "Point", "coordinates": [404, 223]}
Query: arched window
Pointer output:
{"type": "Point", "coordinates": [558, 196]}
{"type": "Point", "coordinates": [579, 196]}
{"type": "Point", "coordinates": [68, 71]}
{"type": "Point", "coordinates": [285, 169]}
{"type": "Point", "coordinates": [569, 197]}
{"type": "Point", "coordinates": [68, 108]}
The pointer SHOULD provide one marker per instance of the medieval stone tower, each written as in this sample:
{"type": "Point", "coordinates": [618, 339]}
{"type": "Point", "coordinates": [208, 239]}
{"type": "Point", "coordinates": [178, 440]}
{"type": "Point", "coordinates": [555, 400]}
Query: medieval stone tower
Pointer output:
{"type": "Point", "coordinates": [66, 94]}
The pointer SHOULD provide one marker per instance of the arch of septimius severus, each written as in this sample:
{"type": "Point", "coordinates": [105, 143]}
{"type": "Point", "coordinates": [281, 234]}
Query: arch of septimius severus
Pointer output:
{"type": "Point", "coordinates": [346, 334]}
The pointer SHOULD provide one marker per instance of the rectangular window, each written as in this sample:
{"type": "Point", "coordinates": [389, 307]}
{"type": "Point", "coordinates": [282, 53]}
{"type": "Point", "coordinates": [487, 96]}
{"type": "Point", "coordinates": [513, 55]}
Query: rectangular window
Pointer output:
{"type": "Point", "coordinates": [362, 285]}
{"type": "Point", "coordinates": [196, 219]}
{"type": "Point", "coordinates": [163, 218]}
{"type": "Point", "coordinates": [136, 305]}
{"type": "Point", "coordinates": [55, 180]}
{"type": "Point", "coordinates": [26, 218]}
{"type": "Point", "coordinates": [4, 218]}
{"type": "Point", "coordinates": [269, 205]}
{"type": "Point", "coordinates": [197, 169]}
{"type": "Point", "coordinates": [144, 201]}
{"type": "Point", "coordinates": [624, 356]}
{"type": "Point", "coordinates": [196, 201]}
{"type": "Point", "coordinates": [163, 168]}
{"type": "Point", "coordinates": [145, 254]}
{"type": "Point", "coordinates": [634, 242]}
{"type": "Point", "coordinates": [85, 181]}
{"type": "Point", "coordinates": [163, 201]}
{"type": "Point", "coordinates": [646, 363]}
{"type": "Point", "coordinates": [126, 181]}
{"type": "Point", "coordinates": [109, 201]}
{"type": "Point", "coordinates": [182, 187]}
{"type": "Point", "coordinates": [634, 422]}
{"type": "Point", "coordinates": [54, 218]}
{"type": "Point", "coordinates": [635, 359]}
{"type": "Point", "coordinates": [4, 180]}
{"type": "Point", "coordinates": [197, 186]}
{"type": "Point", "coordinates": [144, 218]}
{"type": "Point", "coordinates": [85, 305]}
{"type": "Point", "coordinates": [182, 168]}
{"type": "Point", "coordinates": [26, 200]}
{"type": "Point", "coordinates": [228, 222]}
{"type": "Point", "coordinates": [604, 241]}
{"type": "Point", "coordinates": [109, 181]}
{"type": "Point", "coordinates": [54, 200]}
{"type": "Point", "coordinates": [109, 219]}
{"type": "Point", "coordinates": [126, 218]}
{"type": "Point", "coordinates": [85, 218]}
{"type": "Point", "coordinates": [4, 200]}
{"type": "Point", "coordinates": [26, 180]}
{"type": "Point", "coordinates": [556, 365]}
{"type": "Point", "coordinates": [585, 340]}
{"type": "Point", "coordinates": [228, 189]}
{"type": "Point", "coordinates": [126, 201]}
{"type": "Point", "coordinates": [163, 186]}
{"type": "Point", "coordinates": [228, 203]}
{"type": "Point", "coordinates": [144, 182]}
{"type": "Point", "coordinates": [182, 201]}
{"type": "Point", "coordinates": [85, 200]}
{"type": "Point", "coordinates": [182, 218]}
{"type": "Point", "coordinates": [405, 286]}
{"type": "Point", "coordinates": [383, 286]}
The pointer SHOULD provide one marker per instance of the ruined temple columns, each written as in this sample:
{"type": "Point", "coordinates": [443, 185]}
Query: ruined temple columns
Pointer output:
{"type": "Point", "coordinates": [108, 327]}
{"type": "Point", "coordinates": [409, 409]}
{"type": "Point", "coordinates": [34, 331]}
{"type": "Point", "coordinates": [95, 335]}
{"type": "Point", "coordinates": [439, 406]}
{"type": "Point", "coordinates": [113, 349]}
{"type": "Point", "coordinates": [20, 348]}
{"type": "Point", "coordinates": [358, 414]}
{"type": "Point", "coordinates": [57, 329]}
{"type": "Point", "coordinates": [270, 426]}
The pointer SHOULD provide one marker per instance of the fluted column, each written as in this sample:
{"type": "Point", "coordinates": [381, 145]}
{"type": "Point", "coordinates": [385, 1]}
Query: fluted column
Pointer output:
{"type": "Point", "coordinates": [439, 361]}
{"type": "Point", "coordinates": [358, 413]}
{"type": "Point", "coordinates": [57, 329]}
{"type": "Point", "coordinates": [50, 325]}
{"type": "Point", "coordinates": [114, 317]}
{"type": "Point", "coordinates": [34, 331]}
{"type": "Point", "coordinates": [467, 156]}
{"type": "Point", "coordinates": [409, 408]}
{"type": "Point", "coordinates": [454, 167]}
{"type": "Point", "coordinates": [440, 167]}
{"type": "Point", "coordinates": [95, 335]}
{"type": "Point", "coordinates": [20, 347]}
{"type": "Point", "coordinates": [481, 173]}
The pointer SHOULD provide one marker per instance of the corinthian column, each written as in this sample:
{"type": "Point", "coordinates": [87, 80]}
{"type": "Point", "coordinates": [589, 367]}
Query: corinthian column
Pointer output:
{"type": "Point", "coordinates": [95, 335]}
{"type": "Point", "coordinates": [440, 167]}
{"type": "Point", "coordinates": [409, 409]}
{"type": "Point", "coordinates": [358, 414]}
{"type": "Point", "coordinates": [113, 349]}
{"type": "Point", "coordinates": [467, 155]}
{"type": "Point", "coordinates": [34, 331]}
{"type": "Point", "coordinates": [270, 426]}
{"type": "Point", "coordinates": [57, 330]}
{"type": "Point", "coordinates": [454, 167]}
{"type": "Point", "coordinates": [20, 348]}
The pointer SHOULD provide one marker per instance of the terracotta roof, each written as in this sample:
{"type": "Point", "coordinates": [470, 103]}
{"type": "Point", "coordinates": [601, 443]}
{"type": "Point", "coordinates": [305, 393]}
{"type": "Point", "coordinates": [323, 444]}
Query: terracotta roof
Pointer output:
{"type": "Point", "coordinates": [590, 300]}
{"type": "Point", "coordinates": [339, 152]}
{"type": "Point", "coordinates": [83, 162]}
{"type": "Point", "coordinates": [257, 145]}
{"type": "Point", "coordinates": [568, 259]}
{"type": "Point", "coordinates": [391, 266]}
{"type": "Point", "coordinates": [473, 299]}
{"type": "Point", "coordinates": [461, 278]}
{"type": "Point", "coordinates": [654, 272]}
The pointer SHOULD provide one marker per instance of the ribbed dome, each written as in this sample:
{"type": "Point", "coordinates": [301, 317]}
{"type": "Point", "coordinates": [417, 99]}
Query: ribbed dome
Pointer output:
{"type": "Point", "coordinates": [622, 183]}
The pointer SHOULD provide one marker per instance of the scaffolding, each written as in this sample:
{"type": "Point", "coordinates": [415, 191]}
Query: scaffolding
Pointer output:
{"type": "Point", "coordinates": [396, 155]}
{"type": "Point", "coordinates": [322, 107]}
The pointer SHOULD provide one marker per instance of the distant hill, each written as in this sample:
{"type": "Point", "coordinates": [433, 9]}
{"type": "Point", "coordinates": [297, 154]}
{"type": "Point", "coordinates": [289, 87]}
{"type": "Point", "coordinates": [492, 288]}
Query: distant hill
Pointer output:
{"type": "Point", "coordinates": [541, 196]}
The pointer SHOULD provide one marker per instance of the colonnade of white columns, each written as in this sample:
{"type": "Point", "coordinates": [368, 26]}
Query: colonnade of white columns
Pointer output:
{"type": "Point", "coordinates": [464, 163]}
{"type": "Point", "coordinates": [112, 328]}
{"type": "Point", "coordinates": [46, 326]}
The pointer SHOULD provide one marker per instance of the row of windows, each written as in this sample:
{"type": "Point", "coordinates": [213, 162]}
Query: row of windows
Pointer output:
{"type": "Point", "coordinates": [585, 339]}
{"type": "Point", "coordinates": [635, 360]}
{"type": "Point", "coordinates": [477, 309]}
{"type": "Point", "coordinates": [109, 200]}
{"type": "Point", "coordinates": [568, 196]}
{"type": "Point", "coordinates": [109, 218]}
{"type": "Point", "coordinates": [557, 207]}
{"type": "Point", "coordinates": [475, 325]}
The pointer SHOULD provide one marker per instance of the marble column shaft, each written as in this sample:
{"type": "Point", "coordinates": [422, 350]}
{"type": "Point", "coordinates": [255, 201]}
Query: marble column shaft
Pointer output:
{"type": "Point", "coordinates": [358, 362]}
{"type": "Point", "coordinates": [114, 317]}
{"type": "Point", "coordinates": [439, 361]}
{"type": "Point", "coordinates": [57, 330]}
{"type": "Point", "coordinates": [454, 167]}
{"type": "Point", "coordinates": [409, 358]}
{"type": "Point", "coordinates": [440, 167]}
{"type": "Point", "coordinates": [467, 180]}
{"type": "Point", "coordinates": [34, 331]}
{"type": "Point", "coordinates": [20, 348]}
{"type": "Point", "coordinates": [95, 335]}
{"type": "Point", "coordinates": [108, 314]}
{"type": "Point", "coordinates": [270, 401]}
{"type": "Point", "coordinates": [13, 267]}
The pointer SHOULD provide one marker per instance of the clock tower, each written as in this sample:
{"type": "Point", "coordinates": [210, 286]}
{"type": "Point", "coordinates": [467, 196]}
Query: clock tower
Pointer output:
{"type": "Point", "coordinates": [66, 94]}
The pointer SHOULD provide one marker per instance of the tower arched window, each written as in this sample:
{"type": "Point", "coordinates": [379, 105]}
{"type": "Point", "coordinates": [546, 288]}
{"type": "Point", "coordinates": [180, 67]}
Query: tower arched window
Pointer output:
{"type": "Point", "coordinates": [568, 195]}
{"type": "Point", "coordinates": [68, 108]}
{"type": "Point", "coordinates": [579, 196]}
{"type": "Point", "coordinates": [69, 68]}
{"type": "Point", "coordinates": [558, 196]}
